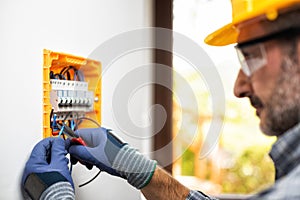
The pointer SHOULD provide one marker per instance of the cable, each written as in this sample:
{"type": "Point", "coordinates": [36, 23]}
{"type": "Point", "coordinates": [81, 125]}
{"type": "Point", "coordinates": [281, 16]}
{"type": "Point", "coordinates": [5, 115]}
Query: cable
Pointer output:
{"type": "Point", "coordinates": [80, 75]}
{"type": "Point", "coordinates": [61, 130]}
{"type": "Point", "coordinates": [68, 73]}
{"type": "Point", "coordinates": [52, 75]}
{"type": "Point", "coordinates": [81, 185]}
{"type": "Point", "coordinates": [59, 77]}
{"type": "Point", "coordinates": [51, 114]}
{"type": "Point", "coordinates": [73, 124]}
{"type": "Point", "coordinates": [77, 74]}
{"type": "Point", "coordinates": [94, 121]}
{"type": "Point", "coordinates": [66, 117]}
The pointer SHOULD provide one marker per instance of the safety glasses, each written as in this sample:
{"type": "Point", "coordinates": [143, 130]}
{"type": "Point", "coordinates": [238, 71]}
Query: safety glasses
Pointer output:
{"type": "Point", "coordinates": [252, 58]}
{"type": "Point", "coordinates": [252, 54]}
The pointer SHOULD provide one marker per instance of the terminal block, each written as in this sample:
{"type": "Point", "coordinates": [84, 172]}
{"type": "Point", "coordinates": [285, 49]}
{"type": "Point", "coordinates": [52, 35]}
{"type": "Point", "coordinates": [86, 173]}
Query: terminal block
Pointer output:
{"type": "Point", "coordinates": [71, 92]}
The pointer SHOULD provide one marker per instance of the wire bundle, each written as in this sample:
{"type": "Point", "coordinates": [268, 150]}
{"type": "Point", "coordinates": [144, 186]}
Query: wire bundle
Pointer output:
{"type": "Point", "coordinates": [76, 74]}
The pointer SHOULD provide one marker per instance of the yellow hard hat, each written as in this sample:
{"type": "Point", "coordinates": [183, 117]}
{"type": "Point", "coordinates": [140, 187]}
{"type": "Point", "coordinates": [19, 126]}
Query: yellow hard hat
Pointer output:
{"type": "Point", "coordinates": [244, 10]}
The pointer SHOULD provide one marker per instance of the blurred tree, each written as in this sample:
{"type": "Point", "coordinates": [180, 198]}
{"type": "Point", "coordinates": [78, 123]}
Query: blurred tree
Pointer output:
{"type": "Point", "coordinates": [252, 171]}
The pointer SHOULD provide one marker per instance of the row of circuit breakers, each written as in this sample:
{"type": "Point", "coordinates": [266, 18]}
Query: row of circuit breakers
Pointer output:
{"type": "Point", "coordinates": [70, 96]}
{"type": "Point", "coordinates": [72, 92]}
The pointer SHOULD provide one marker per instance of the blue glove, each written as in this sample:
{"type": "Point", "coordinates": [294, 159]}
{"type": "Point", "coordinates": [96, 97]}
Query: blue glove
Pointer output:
{"type": "Point", "coordinates": [48, 162]}
{"type": "Point", "coordinates": [102, 148]}
{"type": "Point", "coordinates": [109, 154]}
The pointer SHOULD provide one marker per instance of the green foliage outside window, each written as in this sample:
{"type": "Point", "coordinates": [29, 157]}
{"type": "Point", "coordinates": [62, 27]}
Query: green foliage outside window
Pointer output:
{"type": "Point", "coordinates": [188, 163]}
{"type": "Point", "coordinates": [252, 171]}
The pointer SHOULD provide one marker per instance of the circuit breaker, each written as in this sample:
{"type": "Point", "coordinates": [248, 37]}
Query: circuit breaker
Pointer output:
{"type": "Point", "coordinates": [71, 92]}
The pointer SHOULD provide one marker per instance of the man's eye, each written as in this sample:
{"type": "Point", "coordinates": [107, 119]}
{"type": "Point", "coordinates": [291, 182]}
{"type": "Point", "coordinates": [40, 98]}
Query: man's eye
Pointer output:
{"type": "Point", "coordinates": [249, 55]}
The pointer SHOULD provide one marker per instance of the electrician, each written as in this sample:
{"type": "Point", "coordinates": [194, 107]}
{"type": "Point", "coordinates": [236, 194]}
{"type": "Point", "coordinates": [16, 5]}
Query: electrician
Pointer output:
{"type": "Point", "coordinates": [267, 33]}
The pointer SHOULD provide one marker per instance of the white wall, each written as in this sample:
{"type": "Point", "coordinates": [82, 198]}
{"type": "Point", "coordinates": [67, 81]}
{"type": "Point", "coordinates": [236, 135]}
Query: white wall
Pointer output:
{"type": "Point", "coordinates": [70, 26]}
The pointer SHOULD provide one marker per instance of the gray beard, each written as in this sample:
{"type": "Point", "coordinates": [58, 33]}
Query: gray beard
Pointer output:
{"type": "Point", "coordinates": [283, 108]}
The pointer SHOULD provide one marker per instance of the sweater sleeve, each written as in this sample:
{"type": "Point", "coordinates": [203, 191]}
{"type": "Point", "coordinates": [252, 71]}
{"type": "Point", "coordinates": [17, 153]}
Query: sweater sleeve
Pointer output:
{"type": "Point", "coordinates": [58, 191]}
{"type": "Point", "coordinates": [47, 185]}
{"type": "Point", "coordinates": [196, 195]}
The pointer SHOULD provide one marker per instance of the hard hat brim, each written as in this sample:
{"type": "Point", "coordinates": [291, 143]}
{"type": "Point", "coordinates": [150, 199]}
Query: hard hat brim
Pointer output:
{"type": "Point", "coordinates": [226, 35]}
{"type": "Point", "coordinates": [229, 33]}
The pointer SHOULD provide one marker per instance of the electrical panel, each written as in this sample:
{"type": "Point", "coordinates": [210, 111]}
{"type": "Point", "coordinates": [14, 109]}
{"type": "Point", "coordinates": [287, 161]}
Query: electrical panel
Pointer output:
{"type": "Point", "coordinates": [71, 92]}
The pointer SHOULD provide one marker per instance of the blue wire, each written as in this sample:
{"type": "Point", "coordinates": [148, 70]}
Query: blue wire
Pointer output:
{"type": "Point", "coordinates": [61, 130]}
{"type": "Point", "coordinates": [72, 125]}
{"type": "Point", "coordinates": [74, 77]}
{"type": "Point", "coordinates": [54, 121]}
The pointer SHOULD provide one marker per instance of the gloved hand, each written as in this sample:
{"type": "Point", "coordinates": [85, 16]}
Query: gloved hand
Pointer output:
{"type": "Point", "coordinates": [102, 148]}
{"type": "Point", "coordinates": [48, 163]}
{"type": "Point", "coordinates": [109, 154]}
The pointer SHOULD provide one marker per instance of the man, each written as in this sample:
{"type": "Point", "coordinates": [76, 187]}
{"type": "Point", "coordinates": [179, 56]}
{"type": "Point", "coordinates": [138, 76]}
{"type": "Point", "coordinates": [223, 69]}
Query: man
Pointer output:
{"type": "Point", "coordinates": [267, 33]}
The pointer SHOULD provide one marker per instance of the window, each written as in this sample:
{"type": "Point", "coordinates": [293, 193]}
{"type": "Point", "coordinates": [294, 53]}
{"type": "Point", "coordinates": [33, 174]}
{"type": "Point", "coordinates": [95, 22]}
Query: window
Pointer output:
{"type": "Point", "coordinates": [239, 161]}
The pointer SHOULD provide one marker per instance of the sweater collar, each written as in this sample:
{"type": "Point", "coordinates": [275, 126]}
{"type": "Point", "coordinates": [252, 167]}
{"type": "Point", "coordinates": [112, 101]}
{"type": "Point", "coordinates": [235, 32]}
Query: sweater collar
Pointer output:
{"type": "Point", "coordinates": [285, 153]}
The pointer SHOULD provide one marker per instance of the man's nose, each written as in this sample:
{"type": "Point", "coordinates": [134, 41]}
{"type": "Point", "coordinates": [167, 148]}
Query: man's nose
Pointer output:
{"type": "Point", "coordinates": [242, 86]}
